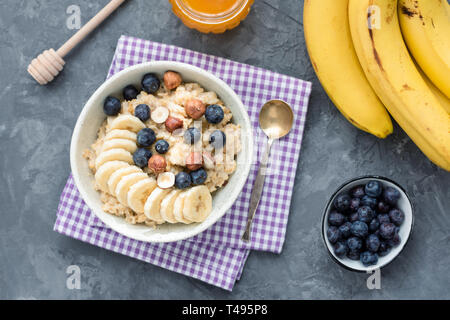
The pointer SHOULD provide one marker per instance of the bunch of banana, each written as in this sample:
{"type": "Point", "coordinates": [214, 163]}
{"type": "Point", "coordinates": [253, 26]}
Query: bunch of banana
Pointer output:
{"type": "Point", "coordinates": [420, 105]}
{"type": "Point", "coordinates": [116, 175]}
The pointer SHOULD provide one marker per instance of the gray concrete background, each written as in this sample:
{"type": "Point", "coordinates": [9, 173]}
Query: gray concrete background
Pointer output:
{"type": "Point", "coordinates": [36, 125]}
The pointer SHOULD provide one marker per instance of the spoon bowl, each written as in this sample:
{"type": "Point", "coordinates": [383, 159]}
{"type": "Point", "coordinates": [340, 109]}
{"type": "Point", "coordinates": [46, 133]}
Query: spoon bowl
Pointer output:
{"type": "Point", "coordinates": [276, 119]}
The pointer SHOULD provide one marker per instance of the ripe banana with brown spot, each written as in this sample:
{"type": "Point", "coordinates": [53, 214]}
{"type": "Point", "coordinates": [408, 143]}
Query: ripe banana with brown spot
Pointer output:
{"type": "Point", "coordinates": [425, 27]}
{"type": "Point", "coordinates": [394, 77]}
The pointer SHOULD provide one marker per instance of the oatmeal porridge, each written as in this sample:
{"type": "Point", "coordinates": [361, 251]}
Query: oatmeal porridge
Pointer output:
{"type": "Point", "coordinates": [162, 152]}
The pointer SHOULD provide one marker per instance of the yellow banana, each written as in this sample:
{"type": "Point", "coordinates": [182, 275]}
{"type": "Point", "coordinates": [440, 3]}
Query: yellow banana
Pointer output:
{"type": "Point", "coordinates": [425, 26]}
{"type": "Point", "coordinates": [390, 70]}
{"type": "Point", "coordinates": [445, 102]}
{"type": "Point", "coordinates": [334, 59]}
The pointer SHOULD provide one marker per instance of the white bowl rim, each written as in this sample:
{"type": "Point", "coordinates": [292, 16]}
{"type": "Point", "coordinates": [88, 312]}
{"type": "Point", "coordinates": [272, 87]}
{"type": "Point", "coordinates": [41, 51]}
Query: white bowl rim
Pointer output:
{"type": "Point", "coordinates": [146, 66]}
{"type": "Point", "coordinates": [402, 244]}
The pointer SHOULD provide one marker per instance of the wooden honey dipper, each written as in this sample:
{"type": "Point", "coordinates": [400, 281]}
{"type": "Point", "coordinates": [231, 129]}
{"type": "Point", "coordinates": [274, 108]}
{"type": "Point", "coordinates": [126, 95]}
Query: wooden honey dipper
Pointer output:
{"type": "Point", "coordinates": [49, 64]}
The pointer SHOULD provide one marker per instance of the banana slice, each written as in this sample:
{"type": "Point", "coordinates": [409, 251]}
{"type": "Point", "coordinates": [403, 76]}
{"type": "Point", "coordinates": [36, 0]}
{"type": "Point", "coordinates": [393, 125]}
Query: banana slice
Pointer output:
{"type": "Point", "coordinates": [160, 114]}
{"type": "Point", "coordinates": [121, 134]}
{"type": "Point", "coordinates": [153, 204]}
{"type": "Point", "coordinates": [166, 180]}
{"type": "Point", "coordinates": [127, 122]}
{"type": "Point", "coordinates": [167, 206]}
{"type": "Point", "coordinates": [125, 184]}
{"type": "Point", "coordinates": [138, 194]}
{"type": "Point", "coordinates": [178, 208]}
{"type": "Point", "coordinates": [119, 174]}
{"type": "Point", "coordinates": [126, 144]}
{"type": "Point", "coordinates": [105, 171]}
{"type": "Point", "coordinates": [197, 204]}
{"type": "Point", "coordinates": [113, 154]}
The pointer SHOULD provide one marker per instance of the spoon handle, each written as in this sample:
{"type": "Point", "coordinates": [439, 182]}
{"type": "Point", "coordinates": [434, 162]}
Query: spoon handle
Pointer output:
{"type": "Point", "coordinates": [257, 190]}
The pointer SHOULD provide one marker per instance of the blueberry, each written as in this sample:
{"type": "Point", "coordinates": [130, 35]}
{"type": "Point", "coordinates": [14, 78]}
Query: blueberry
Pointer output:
{"type": "Point", "coordinates": [162, 146]}
{"type": "Point", "coordinates": [383, 207]}
{"type": "Point", "coordinates": [342, 202]}
{"type": "Point", "coordinates": [214, 114]}
{"type": "Point", "coordinates": [333, 234]}
{"type": "Point", "coordinates": [383, 218]}
{"type": "Point", "coordinates": [340, 249]}
{"type": "Point", "coordinates": [374, 225]}
{"type": "Point", "coordinates": [111, 106]}
{"type": "Point", "coordinates": [395, 241]}
{"type": "Point", "coordinates": [345, 229]}
{"type": "Point", "coordinates": [357, 192]}
{"type": "Point", "coordinates": [373, 188]}
{"type": "Point", "coordinates": [142, 112]}
{"type": "Point", "coordinates": [354, 204]}
{"type": "Point", "coordinates": [369, 258]}
{"type": "Point", "coordinates": [146, 137]}
{"type": "Point", "coordinates": [218, 139]}
{"type": "Point", "coordinates": [387, 242]}
{"type": "Point", "coordinates": [391, 195]}
{"type": "Point", "coordinates": [353, 255]}
{"type": "Point", "coordinates": [130, 92]}
{"type": "Point", "coordinates": [365, 214]}
{"type": "Point", "coordinates": [377, 232]}
{"type": "Point", "coordinates": [359, 229]}
{"type": "Point", "coordinates": [141, 156]}
{"type": "Point", "coordinates": [199, 176]}
{"type": "Point", "coordinates": [183, 180]}
{"type": "Point", "coordinates": [150, 83]}
{"type": "Point", "coordinates": [335, 218]}
{"type": "Point", "coordinates": [387, 230]}
{"type": "Point", "coordinates": [372, 243]}
{"type": "Point", "coordinates": [192, 135]}
{"type": "Point", "coordinates": [354, 244]}
{"type": "Point", "coordinates": [369, 201]}
{"type": "Point", "coordinates": [383, 249]}
{"type": "Point", "coordinates": [397, 216]}
{"type": "Point", "coordinates": [353, 217]}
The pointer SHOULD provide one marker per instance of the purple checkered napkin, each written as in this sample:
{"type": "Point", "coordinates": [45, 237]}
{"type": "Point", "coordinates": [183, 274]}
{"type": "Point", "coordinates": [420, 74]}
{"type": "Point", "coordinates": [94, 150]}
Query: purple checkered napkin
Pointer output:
{"type": "Point", "coordinates": [217, 255]}
{"type": "Point", "coordinates": [217, 265]}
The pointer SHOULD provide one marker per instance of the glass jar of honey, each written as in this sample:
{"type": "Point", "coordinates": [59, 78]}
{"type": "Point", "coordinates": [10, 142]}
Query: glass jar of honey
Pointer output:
{"type": "Point", "coordinates": [215, 16]}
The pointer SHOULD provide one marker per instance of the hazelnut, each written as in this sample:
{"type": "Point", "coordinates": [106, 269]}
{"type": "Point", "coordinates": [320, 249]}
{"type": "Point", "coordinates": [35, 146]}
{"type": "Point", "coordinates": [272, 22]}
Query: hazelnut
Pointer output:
{"type": "Point", "coordinates": [194, 161]}
{"type": "Point", "coordinates": [173, 123]}
{"type": "Point", "coordinates": [195, 108]}
{"type": "Point", "coordinates": [172, 80]}
{"type": "Point", "coordinates": [157, 163]}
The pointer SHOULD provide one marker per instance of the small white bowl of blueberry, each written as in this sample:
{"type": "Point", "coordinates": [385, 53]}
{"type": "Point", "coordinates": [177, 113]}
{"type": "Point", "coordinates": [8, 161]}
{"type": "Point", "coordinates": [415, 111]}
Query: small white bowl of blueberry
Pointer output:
{"type": "Point", "coordinates": [367, 223]}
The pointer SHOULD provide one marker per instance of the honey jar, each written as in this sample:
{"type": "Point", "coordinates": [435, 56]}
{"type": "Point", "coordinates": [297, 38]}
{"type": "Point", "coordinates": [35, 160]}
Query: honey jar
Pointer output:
{"type": "Point", "coordinates": [214, 16]}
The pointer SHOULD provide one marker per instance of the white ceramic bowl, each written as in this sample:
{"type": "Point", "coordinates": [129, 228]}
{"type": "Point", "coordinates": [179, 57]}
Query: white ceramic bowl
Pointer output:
{"type": "Point", "coordinates": [92, 116]}
{"type": "Point", "coordinates": [404, 204]}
